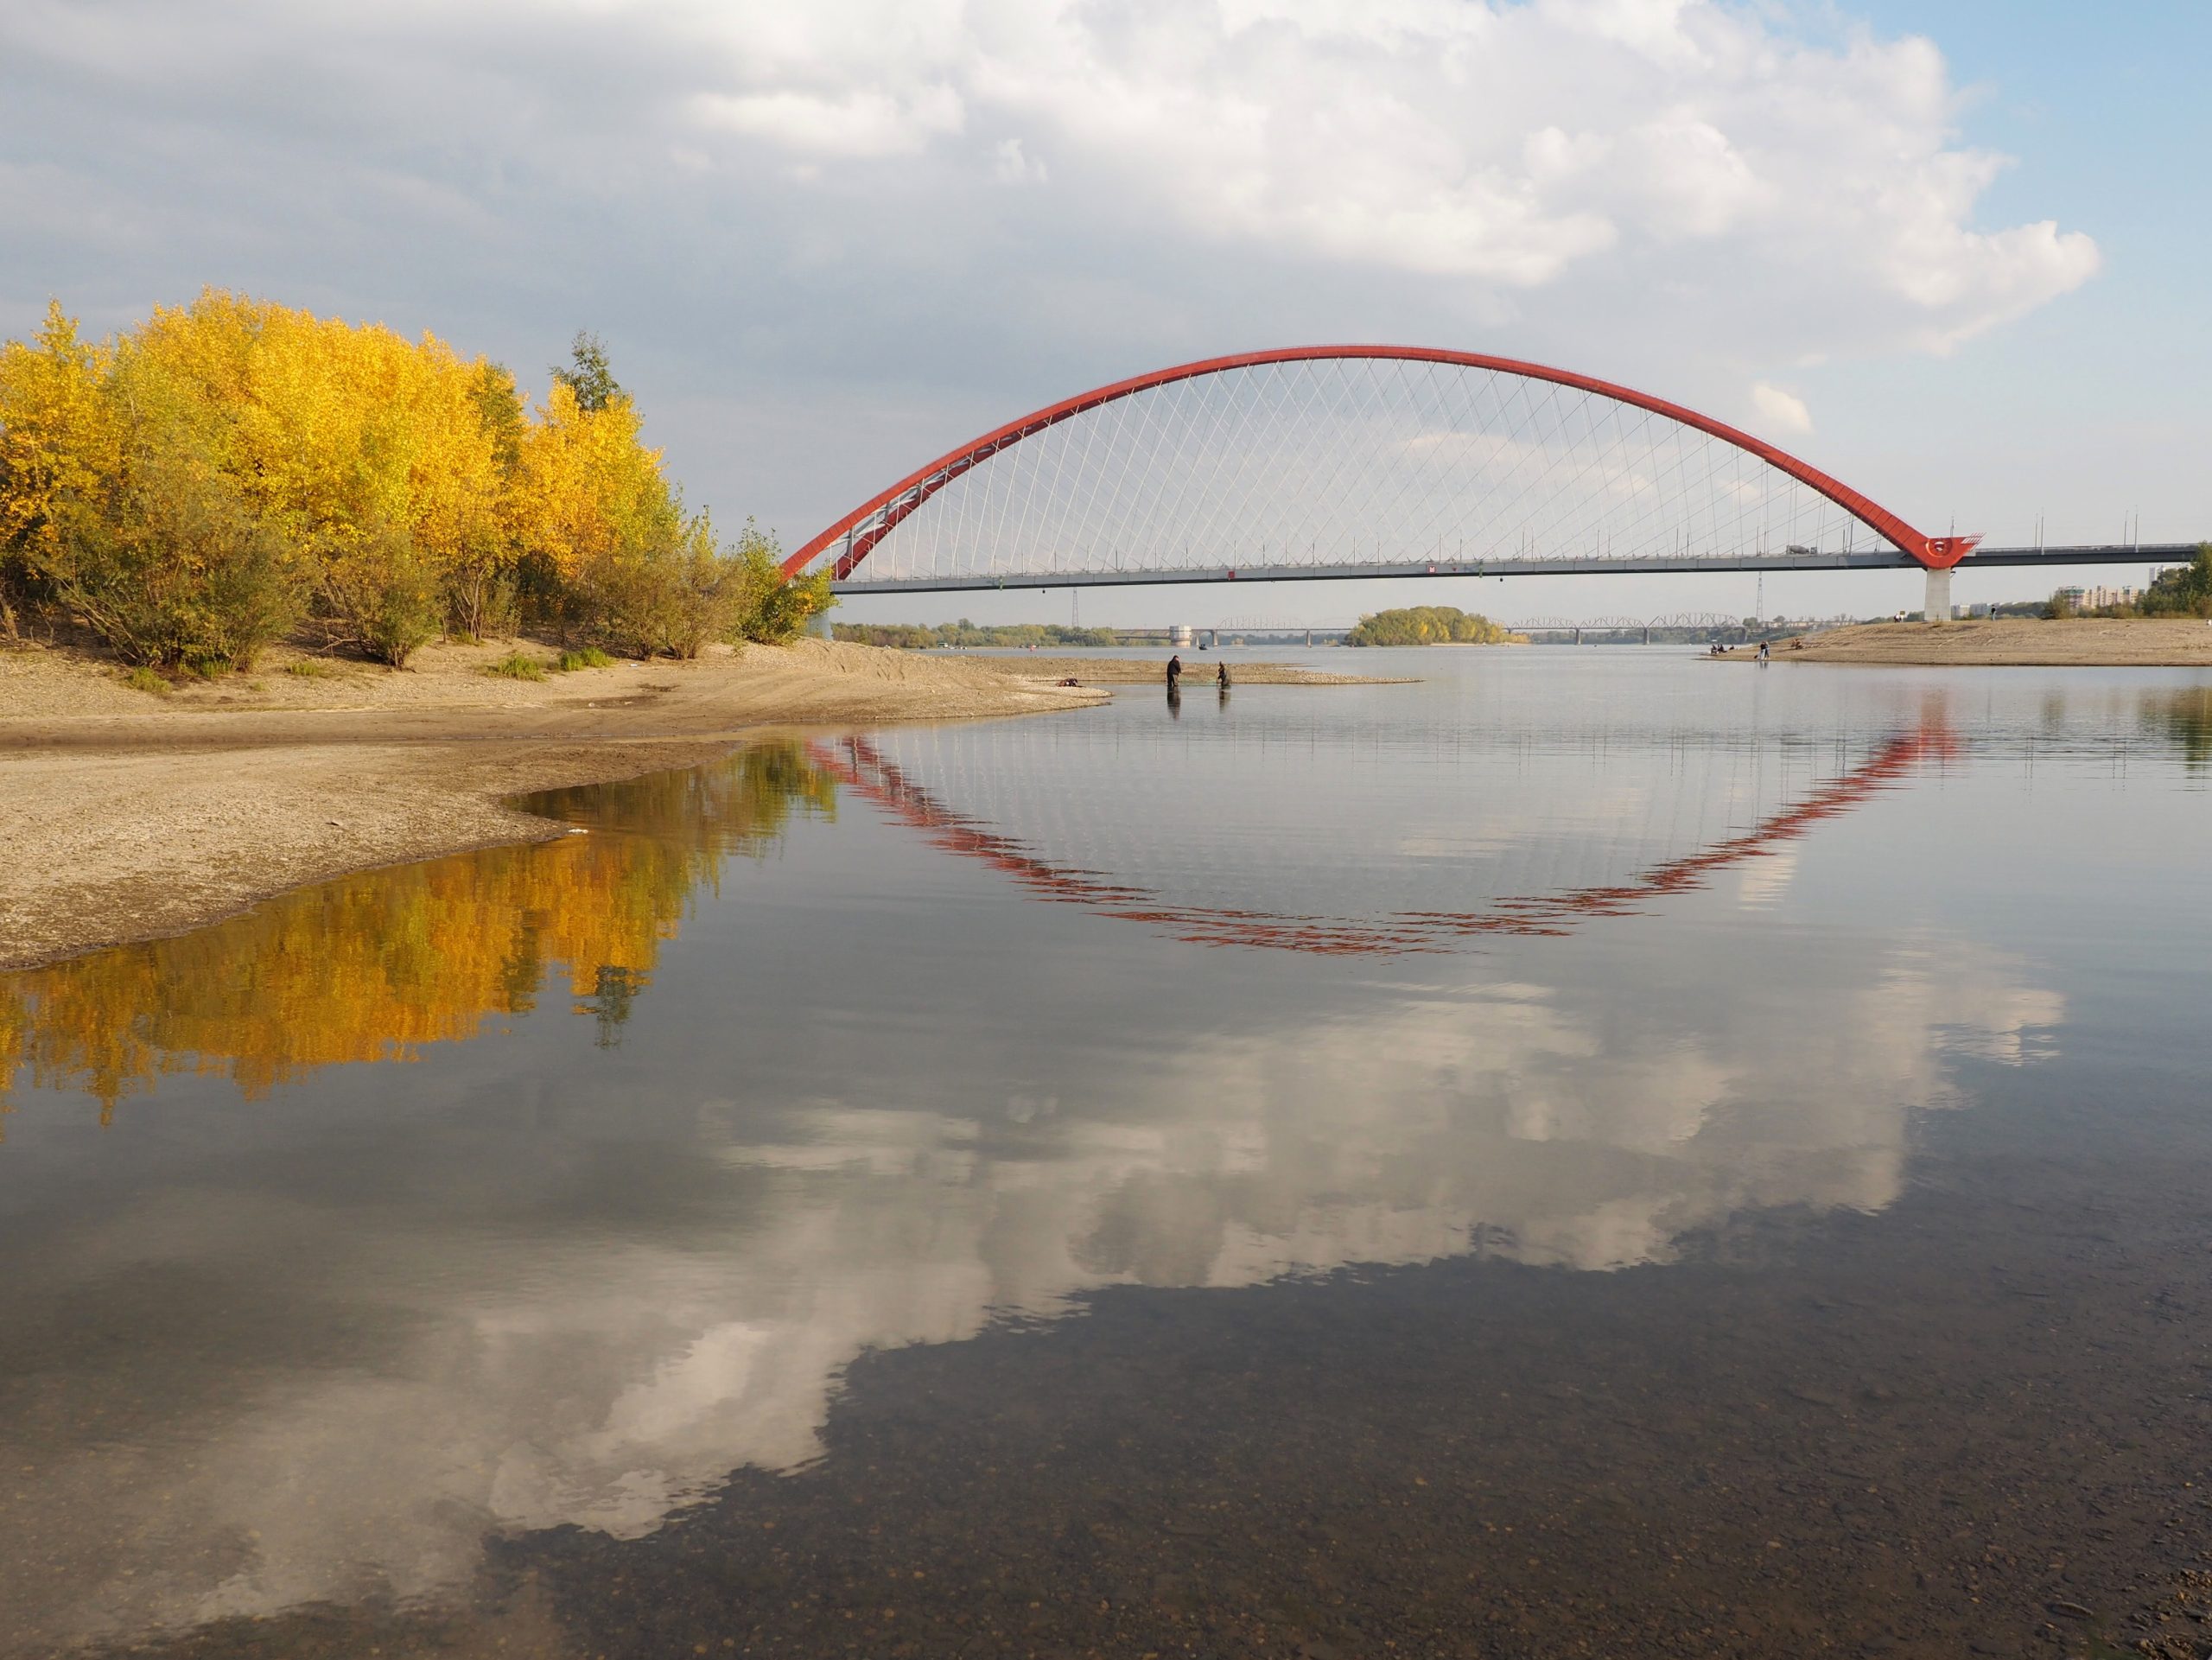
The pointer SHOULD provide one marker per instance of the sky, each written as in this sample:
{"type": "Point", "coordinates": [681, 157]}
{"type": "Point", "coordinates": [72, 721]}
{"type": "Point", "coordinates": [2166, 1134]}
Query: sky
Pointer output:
{"type": "Point", "coordinates": [1953, 254]}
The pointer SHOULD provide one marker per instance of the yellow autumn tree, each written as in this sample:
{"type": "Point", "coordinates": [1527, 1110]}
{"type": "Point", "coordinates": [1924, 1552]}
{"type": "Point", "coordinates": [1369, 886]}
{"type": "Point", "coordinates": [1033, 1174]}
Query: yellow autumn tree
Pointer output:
{"type": "Point", "coordinates": [191, 487]}
{"type": "Point", "coordinates": [56, 440]}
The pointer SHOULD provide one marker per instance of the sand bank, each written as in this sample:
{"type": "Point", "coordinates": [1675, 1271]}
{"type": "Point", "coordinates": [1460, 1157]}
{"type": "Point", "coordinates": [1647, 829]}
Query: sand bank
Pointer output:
{"type": "Point", "coordinates": [125, 815]}
{"type": "Point", "coordinates": [2149, 642]}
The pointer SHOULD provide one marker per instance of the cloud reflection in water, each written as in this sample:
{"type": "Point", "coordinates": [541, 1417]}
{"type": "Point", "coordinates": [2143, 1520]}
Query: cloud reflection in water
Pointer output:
{"type": "Point", "coordinates": [483, 1326]}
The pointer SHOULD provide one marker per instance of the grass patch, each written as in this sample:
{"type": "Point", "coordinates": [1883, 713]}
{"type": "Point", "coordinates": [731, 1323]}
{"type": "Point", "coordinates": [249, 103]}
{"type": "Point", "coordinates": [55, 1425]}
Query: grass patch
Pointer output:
{"type": "Point", "coordinates": [145, 679]}
{"type": "Point", "coordinates": [590, 657]}
{"type": "Point", "coordinates": [517, 666]}
{"type": "Point", "coordinates": [309, 668]}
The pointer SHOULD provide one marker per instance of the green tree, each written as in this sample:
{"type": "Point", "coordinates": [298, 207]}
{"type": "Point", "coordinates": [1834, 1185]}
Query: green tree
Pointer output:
{"type": "Point", "coordinates": [2184, 590]}
{"type": "Point", "coordinates": [589, 375]}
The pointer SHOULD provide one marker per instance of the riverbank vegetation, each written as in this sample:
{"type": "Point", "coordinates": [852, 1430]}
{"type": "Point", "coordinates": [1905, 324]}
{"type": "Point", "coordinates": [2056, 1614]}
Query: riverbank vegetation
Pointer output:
{"type": "Point", "coordinates": [1430, 625]}
{"type": "Point", "coordinates": [2176, 591]}
{"type": "Point", "coordinates": [233, 472]}
{"type": "Point", "coordinates": [925, 636]}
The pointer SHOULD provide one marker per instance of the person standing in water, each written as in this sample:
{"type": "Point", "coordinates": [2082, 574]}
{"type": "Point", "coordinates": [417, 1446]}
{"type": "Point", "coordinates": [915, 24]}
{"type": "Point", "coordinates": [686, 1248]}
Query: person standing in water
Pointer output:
{"type": "Point", "coordinates": [1221, 675]}
{"type": "Point", "coordinates": [1174, 673]}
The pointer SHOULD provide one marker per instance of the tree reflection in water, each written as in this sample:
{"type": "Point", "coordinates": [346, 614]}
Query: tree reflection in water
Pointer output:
{"type": "Point", "coordinates": [2184, 717]}
{"type": "Point", "coordinates": [375, 965]}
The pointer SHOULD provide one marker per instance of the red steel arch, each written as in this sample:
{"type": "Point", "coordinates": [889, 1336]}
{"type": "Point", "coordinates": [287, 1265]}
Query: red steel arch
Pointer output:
{"type": "Point", "coordinates": [1935, 552]}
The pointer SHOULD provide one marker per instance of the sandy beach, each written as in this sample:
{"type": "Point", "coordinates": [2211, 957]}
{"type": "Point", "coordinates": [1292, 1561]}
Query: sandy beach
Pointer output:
{"type": "Point", "coordinates": [2024, 642]}
{"type": "Point", "coordinates": [125, 815]}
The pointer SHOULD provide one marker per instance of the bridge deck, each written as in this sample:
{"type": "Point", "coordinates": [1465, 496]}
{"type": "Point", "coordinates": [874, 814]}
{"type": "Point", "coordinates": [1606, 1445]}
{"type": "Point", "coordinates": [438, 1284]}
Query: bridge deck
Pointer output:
{"type": "Point", "coordinates": [1885, 559]}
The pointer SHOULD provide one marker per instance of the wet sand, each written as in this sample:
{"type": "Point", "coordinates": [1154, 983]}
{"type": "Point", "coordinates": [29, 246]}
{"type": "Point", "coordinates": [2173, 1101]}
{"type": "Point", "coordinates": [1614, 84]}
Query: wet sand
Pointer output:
{"type": "Point", "coordinates": [2023, 642]}
{"type": "Point", "coordinates": [125, 815]}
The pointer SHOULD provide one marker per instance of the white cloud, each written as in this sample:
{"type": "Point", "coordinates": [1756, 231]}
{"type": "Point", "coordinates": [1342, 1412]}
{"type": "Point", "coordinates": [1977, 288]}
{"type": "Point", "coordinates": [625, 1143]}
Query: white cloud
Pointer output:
{"type": "Point", "coordinates": [856, 122]}
{"type": "Point", "coordinates": [1011, 166]}
{"type": "Point", "coordinates": [1512, 147]}
{"type": "Point", "coordinates": [1781, 411]}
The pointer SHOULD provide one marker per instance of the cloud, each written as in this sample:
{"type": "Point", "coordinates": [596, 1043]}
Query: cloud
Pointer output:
{"type": "Point", "coordinates": [1011, 166]}
{"type": "Point", "coordinates": [788, 218]}
{"type": "Point", "coordinates": [1508, 146]}
{"type": "Point", "coordinates": [862, 123]}
{"type": "Point", "coordinates": [1781, 411]}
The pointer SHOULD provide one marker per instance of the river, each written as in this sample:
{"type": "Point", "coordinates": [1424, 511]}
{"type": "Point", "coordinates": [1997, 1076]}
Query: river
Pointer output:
{"type": "Point", "coordinates": [1594, 1151]}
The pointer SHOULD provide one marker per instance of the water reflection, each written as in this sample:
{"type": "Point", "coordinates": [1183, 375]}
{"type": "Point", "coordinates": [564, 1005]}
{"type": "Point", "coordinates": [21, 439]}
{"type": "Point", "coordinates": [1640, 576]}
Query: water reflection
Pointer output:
{"type": "Point", "coordinates": [2184, 717]}
{"type": "Point", "coordinates": [375, 966]}
{"type": "Point", "coordinates": [860, 762]}
{"type": "Point", "coordinates": [562, 1295]}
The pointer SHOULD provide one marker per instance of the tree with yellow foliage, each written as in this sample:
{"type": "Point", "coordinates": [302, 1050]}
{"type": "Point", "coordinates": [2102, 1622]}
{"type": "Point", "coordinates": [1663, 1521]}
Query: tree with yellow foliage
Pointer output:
{"type": "Point", "coordinates": [56, 441]}
{"type": "Point", "coordinates": [194, 487]}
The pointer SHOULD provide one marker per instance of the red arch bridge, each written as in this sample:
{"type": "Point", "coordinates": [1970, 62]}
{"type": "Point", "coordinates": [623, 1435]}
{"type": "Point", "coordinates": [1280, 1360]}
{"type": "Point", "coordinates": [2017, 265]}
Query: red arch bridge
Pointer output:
{"type": "Point", "coordinates": [1331, 462]}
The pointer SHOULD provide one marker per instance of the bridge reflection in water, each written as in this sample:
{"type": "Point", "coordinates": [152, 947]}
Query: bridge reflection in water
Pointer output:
{"type": "Point", "coordinates": [859, 762]}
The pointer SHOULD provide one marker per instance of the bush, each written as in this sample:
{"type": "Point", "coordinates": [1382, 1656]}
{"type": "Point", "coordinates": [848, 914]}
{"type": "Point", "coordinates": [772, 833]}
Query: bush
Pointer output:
{"type": "Point", "coordinates": [308, 669]}
{"type": "Point", "coordinates": [673, 594]}
{"type": "Point", "coordinates": [482, 604]}
{"type": "Point", "coordinates": [517, 666]}
{"type": "Point", "coordinates": [172, 570]}
{"type": "Point", "coordinates": [774, 610]}
{"type": "Point", "coordinates": [590, 657]}
{"type": "Point", "coordinates": [145, 679]}
{"type": "Point", "coordinates": [380, 595]}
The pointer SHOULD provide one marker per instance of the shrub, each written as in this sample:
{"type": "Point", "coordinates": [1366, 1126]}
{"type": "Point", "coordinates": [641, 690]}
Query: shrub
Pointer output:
{"type": "Point", "coordinates": [172, 568]}
{"type": "Point", "coordinates": [482, 604]}
{"type": "Point", "coordinates": [143, 678]}
{"type": "Point", "coordinates": [517, 666]}
{"type": "Point", "coordinates": [674, 593]}
{"type": "Point", "coordinates": [308, 669]}
{"type": "Point", "coordinates": [772, 610]}
{"type": "Point", "coordinates": [380, 595]}
{"type": "Point", "coordinates": [589, 657]}
{"type": "Point", "coordinates": [618, 601]}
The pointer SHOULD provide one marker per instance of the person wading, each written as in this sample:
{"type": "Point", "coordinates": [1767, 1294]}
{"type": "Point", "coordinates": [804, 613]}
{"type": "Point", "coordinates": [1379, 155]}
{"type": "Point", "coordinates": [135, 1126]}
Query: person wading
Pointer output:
{"type": "Point", "coordinates": [1221, 675]}
{"type": "Point", "coordinates": [1174, 673]}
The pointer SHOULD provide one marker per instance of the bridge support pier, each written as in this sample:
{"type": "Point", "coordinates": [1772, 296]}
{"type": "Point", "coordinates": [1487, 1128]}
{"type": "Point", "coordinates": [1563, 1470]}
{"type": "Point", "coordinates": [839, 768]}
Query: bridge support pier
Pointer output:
{"type": "Point", "coordinates": [1937, 606]}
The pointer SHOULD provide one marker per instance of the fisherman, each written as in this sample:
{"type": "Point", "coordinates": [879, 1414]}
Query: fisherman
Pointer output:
{"type": "Point", "coordinates": [1221, 675]}
{"type": "Point", "coordinates": [1174, 673]}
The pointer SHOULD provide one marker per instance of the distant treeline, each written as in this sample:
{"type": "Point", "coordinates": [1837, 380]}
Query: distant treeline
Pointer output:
{"type": "Point", "coordinates": [234, 471]}
{"type": "Point", "coordinates": [921, 637]}
{"type": "Point", "coordinates": [1430, 625]}
{"type": "Point", "coordinates": [2176, 591]}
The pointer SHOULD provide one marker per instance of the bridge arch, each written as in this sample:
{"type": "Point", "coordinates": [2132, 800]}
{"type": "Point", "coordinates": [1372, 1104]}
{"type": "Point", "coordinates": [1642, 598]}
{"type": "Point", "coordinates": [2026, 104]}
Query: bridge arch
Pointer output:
{"type": "Point", "coordinates": [1539, 430]}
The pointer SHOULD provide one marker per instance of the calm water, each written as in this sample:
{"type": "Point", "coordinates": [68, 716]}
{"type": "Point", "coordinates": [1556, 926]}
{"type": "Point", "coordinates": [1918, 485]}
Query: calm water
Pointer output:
{"type": "Point", "coordinates": [1593, 1153]}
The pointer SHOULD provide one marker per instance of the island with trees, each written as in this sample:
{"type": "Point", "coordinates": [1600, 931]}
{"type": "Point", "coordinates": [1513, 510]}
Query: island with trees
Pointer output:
{"type": "Point", "coordinates": [1431, 625]}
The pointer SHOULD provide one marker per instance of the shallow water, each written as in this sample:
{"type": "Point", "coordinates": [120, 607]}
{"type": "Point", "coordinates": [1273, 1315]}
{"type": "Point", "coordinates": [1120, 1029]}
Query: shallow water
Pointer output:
{"type": "Point", "coordinates": [1594, 1150]}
